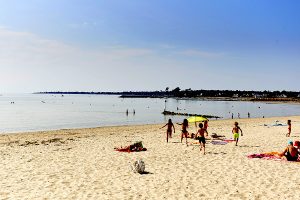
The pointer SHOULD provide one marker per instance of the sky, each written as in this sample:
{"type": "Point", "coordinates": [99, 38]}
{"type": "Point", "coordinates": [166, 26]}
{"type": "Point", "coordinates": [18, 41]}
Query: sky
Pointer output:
{"type": "Point", "coordinates": [139, 45]}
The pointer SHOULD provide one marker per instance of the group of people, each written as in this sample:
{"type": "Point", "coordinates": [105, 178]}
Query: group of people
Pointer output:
{"type": "Point", "coordinates": [290, 153]}
{"type": "Point", "coordinates": [200, 135]}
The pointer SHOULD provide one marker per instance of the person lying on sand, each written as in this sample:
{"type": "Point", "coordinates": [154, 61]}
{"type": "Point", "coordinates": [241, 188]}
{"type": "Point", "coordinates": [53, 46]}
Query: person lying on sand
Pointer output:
{"type": "Point", "coordinates": [137, 146]}
{"type": "Point", "coordinates": [214, 135]}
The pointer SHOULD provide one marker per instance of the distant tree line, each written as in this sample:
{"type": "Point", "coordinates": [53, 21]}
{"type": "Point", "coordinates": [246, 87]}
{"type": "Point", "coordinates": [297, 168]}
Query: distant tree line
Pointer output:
{"type": "Point", "coordinates": [189, 93]}
{"type": "Point", "coordinates": [177, 92]}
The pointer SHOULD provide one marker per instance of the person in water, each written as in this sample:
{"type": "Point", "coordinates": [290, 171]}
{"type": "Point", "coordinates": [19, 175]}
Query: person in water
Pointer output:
{"type": "Point", "coordinates": [289, 123]}
{"type": "Point", "coordinates": [200, 136]}
{"type": "Point", "coordinates": [290, 153]}
{"type": "Point", "coordinates": [184, 132]}
{"type": "Point", "coordinates": [170, 129]}
{"type": "Point", "coordinates": [236, 132]}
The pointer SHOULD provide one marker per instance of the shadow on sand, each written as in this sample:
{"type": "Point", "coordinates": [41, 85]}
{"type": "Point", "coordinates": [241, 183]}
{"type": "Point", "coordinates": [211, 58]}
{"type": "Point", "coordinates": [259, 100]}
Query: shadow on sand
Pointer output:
{"type": "Point", "coordinates": [145, 172]}
{"type": "Point", "coordinates": [216, 153]}
{"type": "Point", "coordinates": [248, 146]}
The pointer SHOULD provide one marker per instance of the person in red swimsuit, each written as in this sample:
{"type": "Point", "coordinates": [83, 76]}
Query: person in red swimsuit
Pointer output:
{"type": "Point", "coordinates": [205, 124]}
{"type": "Point", "coordinates": [169, 129]}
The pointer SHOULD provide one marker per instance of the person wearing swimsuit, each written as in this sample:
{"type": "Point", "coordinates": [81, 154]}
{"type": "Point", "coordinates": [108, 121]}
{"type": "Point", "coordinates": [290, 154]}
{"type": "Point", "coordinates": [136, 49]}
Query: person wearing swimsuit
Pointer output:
{"type": "Point", "coordinates": [201, 137]}
{"type": "Point", "coordinates": [235, 132]}
{"type": "Point", "coordinates": [169, 129]}
{"type": "Point", "coordinates": [290, 153]}
{"type": "Point", "coordinates": [184, 132]}
{"type": "Point", "coordinates": [289, 123]}
{"type": "Point", "coordinates": [205, 124]}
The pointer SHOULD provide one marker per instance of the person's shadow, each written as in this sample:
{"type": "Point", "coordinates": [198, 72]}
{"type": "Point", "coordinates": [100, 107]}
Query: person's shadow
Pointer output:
{"type": "Point", "coordinates": [145, 172]}
{"type": "Point", "coordinates": [248, 146]}
{"type": "Point", "coordinates": [216, 153]}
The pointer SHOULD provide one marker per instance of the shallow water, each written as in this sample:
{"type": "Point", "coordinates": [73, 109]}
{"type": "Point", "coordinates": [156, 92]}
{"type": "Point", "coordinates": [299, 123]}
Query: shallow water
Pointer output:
{"type": "Point", "coordinates": [32, 112]}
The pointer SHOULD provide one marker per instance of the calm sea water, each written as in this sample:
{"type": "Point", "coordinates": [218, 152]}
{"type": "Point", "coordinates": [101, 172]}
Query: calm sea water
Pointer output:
{"type": "Point", "coordinates": [32, 112]}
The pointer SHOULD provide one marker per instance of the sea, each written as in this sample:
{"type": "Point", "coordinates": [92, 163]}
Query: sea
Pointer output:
{"type": "Point", "coordinates": [37, 112]}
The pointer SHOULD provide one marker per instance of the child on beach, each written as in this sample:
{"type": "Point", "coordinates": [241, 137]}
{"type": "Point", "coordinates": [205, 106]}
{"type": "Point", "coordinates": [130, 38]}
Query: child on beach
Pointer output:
{"type": "Point", "coordinates": [201, 137]}
{"type": "Point", "coordinates": [184, 132]}
{"type": "Point", "coordinates": [235, 132]}
{"type": "Point", "coordinates": [169, 129]}
{"type": "Point", "coordinates": [289, 123]}
{"type": "Point", "coordinates": [205, 124]}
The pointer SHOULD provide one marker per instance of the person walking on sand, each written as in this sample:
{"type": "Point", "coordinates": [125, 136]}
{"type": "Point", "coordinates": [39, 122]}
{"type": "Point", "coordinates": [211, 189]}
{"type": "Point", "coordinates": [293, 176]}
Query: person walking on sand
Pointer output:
{"type": "Point", "coordinates": [289, 123]}
{"type": "Point", "coordinates": [184, 132]}
{"type": "Point", "coordinates": [236, 129]}
{"type": "Point", "coordinates": [231, 115]}
{"type": "Point", "coordinates": [169, 129]}
{"type": "Point", "coordinates": [200, 136]}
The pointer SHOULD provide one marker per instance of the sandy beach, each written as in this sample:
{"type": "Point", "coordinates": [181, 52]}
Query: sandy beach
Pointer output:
{"type": "Point", "coordinates": [82, 164]}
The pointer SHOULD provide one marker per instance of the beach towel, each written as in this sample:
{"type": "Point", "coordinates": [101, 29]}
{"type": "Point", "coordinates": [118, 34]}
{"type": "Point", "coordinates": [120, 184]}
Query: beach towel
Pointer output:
{"type": "Point", "coordinates": [270, 156]}
{"type": "Point", "coordinates": [275, 124]}
{"type": "Point", "coordinates": [228, 140]}
{"type": "Point", "coordinates": [266, 156]}
{"type": "Point", "coordinates": [136, 147]}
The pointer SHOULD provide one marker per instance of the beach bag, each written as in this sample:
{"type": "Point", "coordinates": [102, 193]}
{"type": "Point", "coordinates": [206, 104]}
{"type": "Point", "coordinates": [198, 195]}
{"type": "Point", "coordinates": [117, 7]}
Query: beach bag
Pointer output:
{"type": "Point", "coordinates": [297, 144]}
{"type": "Point", "coordinates": [138, 166]}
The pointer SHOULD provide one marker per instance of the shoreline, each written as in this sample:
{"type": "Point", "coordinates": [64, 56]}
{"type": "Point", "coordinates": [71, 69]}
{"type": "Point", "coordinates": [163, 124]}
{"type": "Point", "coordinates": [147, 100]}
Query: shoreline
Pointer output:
{"type": "Point", "coordinates": [138, 125]}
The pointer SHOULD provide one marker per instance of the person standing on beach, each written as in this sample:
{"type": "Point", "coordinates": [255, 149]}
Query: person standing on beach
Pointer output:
{"type": "Point", "coordinates": [239, 116]}
{"type": "Point", "coordinates": [236, 129]}
{"type": "Point", "coordinates": [205, 124]}
{"type": "Point", "coordinates": [169, 129]}
{"type": "Point", "coordinates": [184, 132]}
{"type": "Point", "coordinates": [232, 116]}
{"type": "Point", "coordinates": [289, 123]}
{"type": "Point", "coordinates": [248, 115]}
{"type": "Point", "coordinates": [200, 136]}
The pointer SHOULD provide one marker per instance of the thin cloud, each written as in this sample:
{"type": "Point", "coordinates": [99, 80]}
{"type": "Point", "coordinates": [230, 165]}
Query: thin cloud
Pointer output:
{"type": "Point", "coordinates": [84, 24]}
{"type": "Point", "coordinates": [202, 54]}
{"type": "Point", "coordinates": [23, 48]}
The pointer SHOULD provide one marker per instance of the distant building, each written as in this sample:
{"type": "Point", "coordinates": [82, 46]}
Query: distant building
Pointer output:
{"type": "Point", "coordinates": [282, 96]}
{"type": "Point", "coordinates": [257, 96]}
{"type": "Point", "coordinates": [235, 96]}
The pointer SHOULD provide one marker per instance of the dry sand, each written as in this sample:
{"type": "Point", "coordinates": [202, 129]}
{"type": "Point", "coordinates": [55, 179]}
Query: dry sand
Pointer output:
{"type": "Point", "coordinates": [82, 164]}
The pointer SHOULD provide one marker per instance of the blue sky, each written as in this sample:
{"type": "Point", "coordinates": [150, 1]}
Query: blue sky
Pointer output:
{"type": "Point", "coordinates": [116, 45]}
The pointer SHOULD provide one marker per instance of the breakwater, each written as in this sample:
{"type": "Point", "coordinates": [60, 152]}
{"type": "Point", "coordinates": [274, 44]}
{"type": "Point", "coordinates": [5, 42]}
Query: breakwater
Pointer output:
{"type": "Point", "coordinates": [165, 112]}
